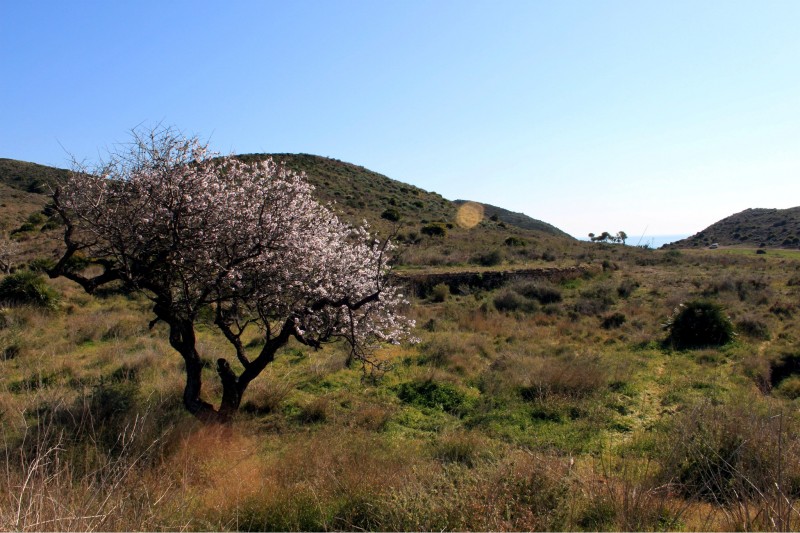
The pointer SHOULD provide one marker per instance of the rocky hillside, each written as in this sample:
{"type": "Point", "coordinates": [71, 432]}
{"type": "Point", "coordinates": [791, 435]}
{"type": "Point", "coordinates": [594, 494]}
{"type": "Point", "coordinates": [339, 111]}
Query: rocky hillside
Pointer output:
{"type": "Point", "coordinates": [770, 228]}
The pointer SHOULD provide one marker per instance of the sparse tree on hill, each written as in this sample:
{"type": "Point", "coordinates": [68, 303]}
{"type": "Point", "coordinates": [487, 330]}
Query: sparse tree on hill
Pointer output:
{"type": "Point", "coordinates": [248, 242]}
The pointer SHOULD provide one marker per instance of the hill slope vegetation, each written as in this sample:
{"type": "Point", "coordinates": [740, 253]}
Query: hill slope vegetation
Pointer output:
{"type": "Point", "coordinates": [424, 222]}
{"type": "Point", "coordinates": [770, 228]}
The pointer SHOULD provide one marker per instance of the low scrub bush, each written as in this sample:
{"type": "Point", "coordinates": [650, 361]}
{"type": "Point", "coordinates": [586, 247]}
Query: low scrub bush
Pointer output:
{"type": "Point", "coordinates": [460, 447]}
{"type": "Point", "coordinates": [28, 288]}
{"type": "Point", "coordinates": [783, 310]}
{"type": "Point", "coordinates": [391, 214]}
{"type": "Point", "coordinates": [698, 324]}
{"type": "Point", "coordinates": [613, 321]}
{"type": "Point", "coordinates": [594, 301]}
{"type": "Point", "coordinates": [733, 455]}
{"type": "Point", "coordinates": [41, 264]}
{"type": "Point", "coordinates": [440, 293]}
{"type": "Point", "coordinates": [571, 375]}
{"type": "Point", "coordinates": [626, 287]}
{"type": "Point", "coordinates": [268, 395]}
{"type": "Point", "coordinates": [544, 292]}
{"type": "Point", "coordinates": [434, 230]}
{"type": "Point", "coordinates": [753, 327]}
{"type": "Point", "coordinates": [789, 388]}
{"type": "Point", "coordinates": [508, 300]}
{"type": "Point", "coordinates": [434, 395]}
{"type": "Point", "coordinates": [491, 258]}
{"type": "Point", "coordinates": [514, 241]}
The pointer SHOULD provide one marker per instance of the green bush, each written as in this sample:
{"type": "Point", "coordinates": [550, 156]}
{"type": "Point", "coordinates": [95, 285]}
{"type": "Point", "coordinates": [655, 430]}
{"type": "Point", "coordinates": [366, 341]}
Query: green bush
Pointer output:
{"type": "Point", "coordinates": [491, 258]}
{"type": "Point", "coordinates": [440, 292]}
{"type": "Point", "coordinates": [627, 287]}
{"type": "Point", "coordinates": [26, 287]}
{"type": "Point", "coordinates": [699, 324]}
{"type": "Point", "coordinates": [434, 230]}
{"type": "Point", "coordinates": [41, 264]}
{"type": "Point", "coordinates": [612, 321]}
{"type": "Point", "coordinates": [753, 327]}
{"type": "Point", "coordinates": [434, 395]}
{"type": "Point", "coordinates": [36, 218]}
{"type": "Point", "coordinates": [508, 300]}
{"type": "Point", "coordinates": [514, 241]}
{"type": "Point", "coordinates": [391, 214]}
{"type": "Point", "coordinates": [545, 293]}
{"type": "Point", "coordinates": [26, 227]}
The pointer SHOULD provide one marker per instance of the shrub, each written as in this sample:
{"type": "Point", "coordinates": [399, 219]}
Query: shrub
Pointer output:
{"type": "Point", "coordinates": [440, 292]}
{"type": "Point", "coordinates": [627, 287]}
{"type": "Point", "coordinates": [36, 218]}
{"type": "Point", "coordinates": [315, 411]}
{"type": "Point", "coordinates": [727, 453]}
{"type": "Point", "coordinates": [514, 241]}
{"type": "Point", "coordinates": [789, 388]}
{"type": "Point", "coordinates": [548, 255]}
{"type": "Point", "coordinates": [464, 448]}
{"type": "Point", "coordinates": [508, 300]}
{"type": "Point", "coordinates": [572, 376]}
{"type": "Point", "coordinates": [753, 327]}
{"type": "Point", "coordinates": [26, 287]}
{"type": "Point", "coordinates": [491, 258]}
{"type": "Point", "coordinates": [594, 301]}
{"type": "Point", "coordinates": [391, 214]}
{"type": "Point", "coordinates": [433, 230]}
{"type": "Point", "coordinates": [434, 395]}
{"type": "Point", "coordinates": [51, 224]}
{"type": "Point", "coordinates": [613, 321]}
{"type": "Point", "coordinates": [783, 310]}
{"type": "Point", "coordinates": [26, 227]}
{"type": "Point", "coordinates": [41, 264]}
{"type": "Point", "coordinates": [545, 293]}
{"type": "Point", "coordinates": [699, 324]}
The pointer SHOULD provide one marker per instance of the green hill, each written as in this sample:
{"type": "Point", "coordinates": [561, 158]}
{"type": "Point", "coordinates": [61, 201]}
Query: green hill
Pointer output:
{"type": "Point", "coordinates": [521, 220]}
{"type": "Point", "coordinates": [388, 205]}
{"type": "Point", "coordinates": [423, 222]}
{"type": "Point", "coordinates": [771, 228]}
{"type": "Point", "coordinates": [29, 177]}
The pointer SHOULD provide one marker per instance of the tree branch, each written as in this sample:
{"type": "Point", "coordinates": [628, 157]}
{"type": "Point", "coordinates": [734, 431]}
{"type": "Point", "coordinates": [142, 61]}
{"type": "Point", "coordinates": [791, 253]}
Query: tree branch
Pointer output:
{"type": "Point", "coordinates": [233, 338]}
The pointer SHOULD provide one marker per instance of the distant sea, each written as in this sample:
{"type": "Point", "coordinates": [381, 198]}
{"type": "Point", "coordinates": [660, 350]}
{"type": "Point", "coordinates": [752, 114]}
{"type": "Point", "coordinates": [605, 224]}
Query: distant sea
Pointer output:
{"type": "Point", "coordinates": [655, 241]}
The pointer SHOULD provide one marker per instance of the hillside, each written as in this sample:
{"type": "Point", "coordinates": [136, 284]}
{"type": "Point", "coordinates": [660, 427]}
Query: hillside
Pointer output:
{"type": "Point", "coordinates": [520, 220]}
{"type": "Point", "coordinates": [423, 222]}
{"type": "Point", "coordinates": [28, 177]}
{"type": "Point", "coordinates": [771, 228]}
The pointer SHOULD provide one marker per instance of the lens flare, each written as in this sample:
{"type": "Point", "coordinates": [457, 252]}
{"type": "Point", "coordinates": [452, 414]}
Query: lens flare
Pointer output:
{"type": "Point", "coordinates": [469, 215]}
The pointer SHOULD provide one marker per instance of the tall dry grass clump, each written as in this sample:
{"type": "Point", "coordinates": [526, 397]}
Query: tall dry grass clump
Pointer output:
{"type": "Point", "coordinates": [744, 459]}
{"type": "Point", "coordinates": [51, 482]}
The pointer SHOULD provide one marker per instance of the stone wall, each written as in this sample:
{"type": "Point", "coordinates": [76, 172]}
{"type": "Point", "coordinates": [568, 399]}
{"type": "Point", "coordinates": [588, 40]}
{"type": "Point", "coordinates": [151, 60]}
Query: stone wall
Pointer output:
{"type": "Point", "coordinates": [421, 284]}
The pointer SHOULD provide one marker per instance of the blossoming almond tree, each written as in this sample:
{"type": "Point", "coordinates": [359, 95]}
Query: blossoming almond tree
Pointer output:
{"type": "Point", "coordinates": [196, 232]}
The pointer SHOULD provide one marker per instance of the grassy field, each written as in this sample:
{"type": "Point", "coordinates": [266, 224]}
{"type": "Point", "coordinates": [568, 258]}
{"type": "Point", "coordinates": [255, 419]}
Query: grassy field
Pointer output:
{"type": "Point", "coordinates": [535, 405]}
{"type": "Point", "coordinates": [549, 406]}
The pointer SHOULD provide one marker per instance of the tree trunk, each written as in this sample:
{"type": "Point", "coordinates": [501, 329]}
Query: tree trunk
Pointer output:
{"type": "Point", "coordinates": [231, 391]}
{"type": "Point", "coordinates": [182, 338]}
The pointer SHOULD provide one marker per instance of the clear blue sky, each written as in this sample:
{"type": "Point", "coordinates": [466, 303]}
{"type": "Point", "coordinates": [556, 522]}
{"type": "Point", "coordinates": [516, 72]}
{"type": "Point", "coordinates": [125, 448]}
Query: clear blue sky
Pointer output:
{"type": "Point", "coordinates": [591, 115]}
